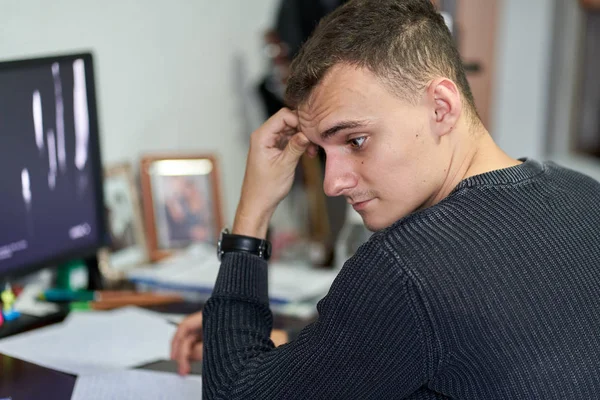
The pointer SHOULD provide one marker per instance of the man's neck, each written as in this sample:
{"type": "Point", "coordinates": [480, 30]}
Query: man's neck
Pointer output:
{"type": "Point", "coordinates": [473, 154]}
{"type": "Point", "coordinates": [487, 156]}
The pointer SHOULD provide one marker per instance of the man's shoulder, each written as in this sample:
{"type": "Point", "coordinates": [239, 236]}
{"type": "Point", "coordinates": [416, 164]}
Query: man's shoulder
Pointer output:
{"type": "Point", "coordinates": [396, 241]}
{"type": "Point", "coordinates": [480, 209]}
{"type": "Point", "coordinates": [571, 177]}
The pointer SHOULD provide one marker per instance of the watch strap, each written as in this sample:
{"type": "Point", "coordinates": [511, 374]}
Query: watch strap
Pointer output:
{"type": "Point", "coordinates": [230, 242]}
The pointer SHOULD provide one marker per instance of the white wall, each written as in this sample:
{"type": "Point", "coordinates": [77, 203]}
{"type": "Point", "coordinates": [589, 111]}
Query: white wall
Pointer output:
{"type": "Point", "coordinates": [520, 106]}
{"type": "Point", "coordinates": [165, 70]}
{"type": "Point", "coordinates": [539, 46]}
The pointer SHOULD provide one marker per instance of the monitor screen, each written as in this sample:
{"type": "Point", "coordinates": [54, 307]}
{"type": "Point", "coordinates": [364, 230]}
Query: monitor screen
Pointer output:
{"type": "Point", "coordinates": [50, 170]}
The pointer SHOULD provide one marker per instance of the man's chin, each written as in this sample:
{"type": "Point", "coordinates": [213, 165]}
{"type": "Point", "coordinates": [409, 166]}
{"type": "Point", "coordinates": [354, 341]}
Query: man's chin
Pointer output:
{"type": "Point", "coordinates": [374, 226]}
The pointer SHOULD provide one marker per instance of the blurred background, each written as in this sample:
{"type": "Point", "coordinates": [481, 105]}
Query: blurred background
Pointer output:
{"type": "Point", "coordinates": [177, 75]}
{"type": "Point", "coordinates": [181, 77]}
{"type": "Point", "coordinates": [177, 87]}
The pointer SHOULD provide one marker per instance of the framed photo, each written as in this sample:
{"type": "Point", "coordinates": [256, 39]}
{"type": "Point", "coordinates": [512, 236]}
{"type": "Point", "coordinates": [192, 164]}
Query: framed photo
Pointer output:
{"type": "Point", "coordinates": [124, 218]}
{"type": "Point", "coordinates": [182, 202]}
{"type": "Point", "coordinates": [591, 4]}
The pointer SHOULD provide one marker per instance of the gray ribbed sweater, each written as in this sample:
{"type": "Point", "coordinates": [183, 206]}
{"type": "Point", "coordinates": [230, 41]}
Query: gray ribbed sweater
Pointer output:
{"type": "Point", "coordinates": [493, 293]}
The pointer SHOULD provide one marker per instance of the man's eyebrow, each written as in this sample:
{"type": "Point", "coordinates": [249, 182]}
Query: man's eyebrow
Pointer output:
{"type": "Point", "coordinates": [340, 126]}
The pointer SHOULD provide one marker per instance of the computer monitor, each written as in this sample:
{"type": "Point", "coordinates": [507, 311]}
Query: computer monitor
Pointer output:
{"type": "Point", "coordinates": [51, 198]}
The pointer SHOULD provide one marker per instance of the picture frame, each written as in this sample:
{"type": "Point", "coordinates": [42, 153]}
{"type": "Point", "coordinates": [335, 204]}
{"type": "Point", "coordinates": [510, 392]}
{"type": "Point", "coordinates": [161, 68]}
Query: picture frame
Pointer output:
{"type": "Point", "coordinates": [127, 247]}
{"type": "Point", "coordinates": [182, 201]}
{"type": "Point", "coordinates": [591, 4]}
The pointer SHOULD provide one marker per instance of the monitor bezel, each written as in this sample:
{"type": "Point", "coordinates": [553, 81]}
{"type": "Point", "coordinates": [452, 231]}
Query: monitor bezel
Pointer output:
{"type": "Point", "coordinates": [88, 252]}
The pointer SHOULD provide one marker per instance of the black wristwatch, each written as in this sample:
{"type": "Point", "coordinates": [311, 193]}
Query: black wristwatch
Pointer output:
{"type": "Point", "coordinates": [228, 242]}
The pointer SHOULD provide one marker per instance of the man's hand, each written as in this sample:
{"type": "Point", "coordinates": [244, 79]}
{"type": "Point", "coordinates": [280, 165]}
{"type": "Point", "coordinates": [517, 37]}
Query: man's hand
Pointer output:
{"type": "Point", "coordinates": [275, 149]}
{"type": "Point", "coordinates": [186, 345]}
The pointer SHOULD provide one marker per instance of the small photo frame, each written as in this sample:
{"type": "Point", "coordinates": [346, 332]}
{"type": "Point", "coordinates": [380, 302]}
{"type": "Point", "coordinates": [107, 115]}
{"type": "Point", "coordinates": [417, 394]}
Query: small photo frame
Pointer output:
{"type": "Point", "coordinates": [124, 219]}
{"type": "Point", "coordinates": [182, 202]}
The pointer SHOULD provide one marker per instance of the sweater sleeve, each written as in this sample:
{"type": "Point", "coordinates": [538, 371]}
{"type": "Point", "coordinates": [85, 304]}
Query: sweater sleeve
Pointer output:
{"type": "Point", "coordinates": [368, 341]}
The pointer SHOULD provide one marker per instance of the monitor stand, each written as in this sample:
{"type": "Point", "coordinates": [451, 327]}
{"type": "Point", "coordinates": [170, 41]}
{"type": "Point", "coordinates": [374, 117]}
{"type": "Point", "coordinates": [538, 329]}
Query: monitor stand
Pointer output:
{"type": "Point", "coordinates": [95, 281]}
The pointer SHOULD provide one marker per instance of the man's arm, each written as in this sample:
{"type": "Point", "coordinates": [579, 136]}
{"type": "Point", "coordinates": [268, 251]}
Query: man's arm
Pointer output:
{"type": "Point", "coordinates": [368, 341]}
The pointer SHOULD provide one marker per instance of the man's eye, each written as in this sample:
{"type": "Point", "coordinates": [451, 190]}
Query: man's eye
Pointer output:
{"type": "Point", "coordinates": [358, 142]}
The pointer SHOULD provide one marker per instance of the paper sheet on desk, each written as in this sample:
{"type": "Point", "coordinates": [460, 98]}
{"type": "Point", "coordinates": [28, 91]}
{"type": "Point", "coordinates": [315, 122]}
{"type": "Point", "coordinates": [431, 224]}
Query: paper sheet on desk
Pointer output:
{"type": "Point", "coordinates": [137, 384]}
{"type": "Point", "coordinates": [288, 283]}
{"type": "Point", "coordinates": [89, 342]}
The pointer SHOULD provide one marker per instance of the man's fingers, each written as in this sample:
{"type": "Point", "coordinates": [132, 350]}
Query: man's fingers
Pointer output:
{"type": "Point", "coordinates": [191, 325]}
{"type": "Point", "coordinates": [284, 124]}
{"type": "Point", "coordinates": [193, 320]}
{"type": "Point", "coordinates": [284, 120]}
{"type": "Point", "coordinates": [183, 355]}
{"type": "Point", "coordinates": [296, 146]}
{"type": "Point", "coordinates": [313, 150]}
{"type": "Point", "coordinates": [176, 343]}
{"type": "Point", "coordinates": [196, 354]}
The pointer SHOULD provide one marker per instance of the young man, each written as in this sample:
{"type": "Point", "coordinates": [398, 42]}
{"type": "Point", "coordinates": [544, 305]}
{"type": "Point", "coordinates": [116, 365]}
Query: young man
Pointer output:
{"type": "Point", "coordinates": [482, 280]}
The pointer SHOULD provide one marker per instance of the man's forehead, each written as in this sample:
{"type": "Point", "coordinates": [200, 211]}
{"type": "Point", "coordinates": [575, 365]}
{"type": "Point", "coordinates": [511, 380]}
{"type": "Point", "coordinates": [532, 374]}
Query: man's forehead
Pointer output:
{"type": "Point", "coordinates": [339, 78]}
{"type": "Point", "coordinates": [341, 94]}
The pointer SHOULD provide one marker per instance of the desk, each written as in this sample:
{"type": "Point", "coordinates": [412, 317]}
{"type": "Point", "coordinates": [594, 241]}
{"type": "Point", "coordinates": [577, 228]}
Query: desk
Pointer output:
{"type": "Point", "coordinates": [27, 322]}
{"type": "Point", "coordinates": [22, 380]}
{"type": "Point", "coordinates": [279, 321]}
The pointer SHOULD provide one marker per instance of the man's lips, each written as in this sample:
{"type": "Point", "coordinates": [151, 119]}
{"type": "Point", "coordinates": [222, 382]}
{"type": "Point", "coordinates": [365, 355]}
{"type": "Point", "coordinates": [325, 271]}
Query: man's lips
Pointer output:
{"type": "Point", "coordinates": [360, 205]}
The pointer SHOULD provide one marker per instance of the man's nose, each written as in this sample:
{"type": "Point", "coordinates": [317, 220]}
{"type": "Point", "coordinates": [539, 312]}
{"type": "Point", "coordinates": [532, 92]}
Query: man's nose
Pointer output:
{"type": "Point", "coordinates": [338, 178]}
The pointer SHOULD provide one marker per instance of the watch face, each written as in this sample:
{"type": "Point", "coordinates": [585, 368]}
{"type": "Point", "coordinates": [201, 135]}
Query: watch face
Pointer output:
{"type": "Point", "coordinates": [224, 231]}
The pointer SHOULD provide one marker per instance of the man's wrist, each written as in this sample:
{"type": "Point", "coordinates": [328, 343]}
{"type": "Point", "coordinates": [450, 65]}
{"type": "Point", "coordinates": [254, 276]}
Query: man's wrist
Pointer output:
{"type": "Point", "coordinates": [251, 224]}
{"type": "Point", "coordinates": [230, 242]}
{"type": "Point", "coordinates": [252, 230]}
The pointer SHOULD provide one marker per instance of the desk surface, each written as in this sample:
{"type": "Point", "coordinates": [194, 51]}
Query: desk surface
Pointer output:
{"type": "Point", "coordinates": [22, 380]}
{"type": "Point", "coordinates": [26, 322]}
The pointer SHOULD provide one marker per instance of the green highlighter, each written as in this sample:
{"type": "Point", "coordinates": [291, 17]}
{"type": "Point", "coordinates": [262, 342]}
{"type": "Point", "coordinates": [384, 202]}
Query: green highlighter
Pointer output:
{"type": "Point", "coordinates": [80, 306]}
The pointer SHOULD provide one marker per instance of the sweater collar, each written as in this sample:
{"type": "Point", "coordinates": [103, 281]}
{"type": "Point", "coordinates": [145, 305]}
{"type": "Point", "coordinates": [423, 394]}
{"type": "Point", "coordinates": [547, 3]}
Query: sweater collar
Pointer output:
{"type": "Point", "coordinates": [511, 175]}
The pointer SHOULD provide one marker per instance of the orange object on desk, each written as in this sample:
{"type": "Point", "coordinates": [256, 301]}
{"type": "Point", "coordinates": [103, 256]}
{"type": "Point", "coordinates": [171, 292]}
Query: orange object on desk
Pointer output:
{"type": "Point", "coordinates": [123, 299]}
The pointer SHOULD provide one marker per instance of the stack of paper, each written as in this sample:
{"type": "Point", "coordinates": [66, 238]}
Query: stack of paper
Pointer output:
{"type": "Point", "coordinates": [197, 270]}
{"type": "Point", "coordinates": [137, 384]}
{"type": "Point", "coordinates": [100, 346]}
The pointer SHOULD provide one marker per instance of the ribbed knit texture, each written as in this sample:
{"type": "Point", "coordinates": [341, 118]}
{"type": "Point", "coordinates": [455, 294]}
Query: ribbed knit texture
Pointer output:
{"type": "Point", "coordinates": [493, 293]}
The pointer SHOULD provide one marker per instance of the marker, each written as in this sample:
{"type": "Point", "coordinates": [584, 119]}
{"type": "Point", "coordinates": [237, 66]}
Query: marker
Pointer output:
{"type": "Point", "coordinates": [136, 299]}
{"type": "Point", "coordinates": [65, 295]}
{"type": "Point", "coordinates": [80, 306]}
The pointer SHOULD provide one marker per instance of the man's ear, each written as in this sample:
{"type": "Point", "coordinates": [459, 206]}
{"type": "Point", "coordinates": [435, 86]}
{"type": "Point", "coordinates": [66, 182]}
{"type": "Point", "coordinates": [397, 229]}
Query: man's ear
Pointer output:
{"type": "Point", "coordinates": [445, 102]}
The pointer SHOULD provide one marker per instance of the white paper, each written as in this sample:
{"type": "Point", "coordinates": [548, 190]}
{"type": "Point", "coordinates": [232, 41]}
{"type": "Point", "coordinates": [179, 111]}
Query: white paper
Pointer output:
{"type": "Point", "coordinates": [94, 341]}
{"type": "Point", "coordinates": [137, 384]}
{"type": "Point", "coordinates": [295, 283]}
{"type": "Point", "coordinates": [197, 271]}
{"type": "Point", "coordinates": [173, 318]}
